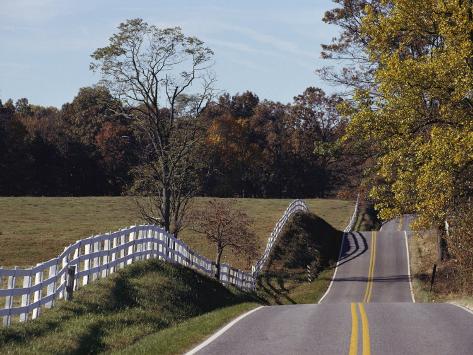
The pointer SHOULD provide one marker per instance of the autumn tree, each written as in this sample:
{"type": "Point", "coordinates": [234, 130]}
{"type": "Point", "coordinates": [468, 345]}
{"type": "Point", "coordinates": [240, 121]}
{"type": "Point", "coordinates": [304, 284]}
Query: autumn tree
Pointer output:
{"type": "Point", "coordinates": [162, 78]}
{"type": "Point", "coordinates": [420, 120]}
{"type": "Point", "coordinates": [225, 226]}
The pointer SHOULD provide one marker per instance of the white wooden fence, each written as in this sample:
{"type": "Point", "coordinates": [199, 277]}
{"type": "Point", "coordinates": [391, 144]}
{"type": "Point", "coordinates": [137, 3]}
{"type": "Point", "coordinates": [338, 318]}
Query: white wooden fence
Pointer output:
{"type": "Point", "coordinates": [352, 222]}
{"type": "Point", "coordinates": [294, 206]}
{"type": "Point", "coordinates": [27, 291]}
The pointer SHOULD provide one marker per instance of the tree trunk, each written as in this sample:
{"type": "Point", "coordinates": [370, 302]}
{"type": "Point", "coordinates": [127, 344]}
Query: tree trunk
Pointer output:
{"type": "Point", "coordinates": [166, 208]}
{"type": "Point", "coordinates": [217, 261]}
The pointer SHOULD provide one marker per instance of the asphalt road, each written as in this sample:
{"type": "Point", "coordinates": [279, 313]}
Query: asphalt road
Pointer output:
{"type": "Point", "coordinates": [368, 309]}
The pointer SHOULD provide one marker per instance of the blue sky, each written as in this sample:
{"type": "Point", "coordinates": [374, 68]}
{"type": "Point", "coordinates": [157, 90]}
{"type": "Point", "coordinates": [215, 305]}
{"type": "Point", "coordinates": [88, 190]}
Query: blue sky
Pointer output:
{"type": "Point", "coordinates": [269, 47]}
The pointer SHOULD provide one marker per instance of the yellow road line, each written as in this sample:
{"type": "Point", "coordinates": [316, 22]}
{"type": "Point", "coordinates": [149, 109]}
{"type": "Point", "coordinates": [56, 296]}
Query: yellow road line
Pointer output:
{"type": "Point", "coordinates": [401, 222]}
{"type": "Point", "coordinates": [374, 242]}
{"type": "Point", "coordinates": [369, 284]}
{"type": "Point", "coordinates": [366, 330]}
{"type": "Point", "coordinates": [354, 331]}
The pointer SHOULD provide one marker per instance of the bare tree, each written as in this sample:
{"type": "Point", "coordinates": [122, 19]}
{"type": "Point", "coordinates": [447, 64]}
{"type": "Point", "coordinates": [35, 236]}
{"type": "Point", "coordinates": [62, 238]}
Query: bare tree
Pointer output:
{"type": "Point", "coordinates": [163, 78]}
{"type": "Point", "coordinates": [225, 226]}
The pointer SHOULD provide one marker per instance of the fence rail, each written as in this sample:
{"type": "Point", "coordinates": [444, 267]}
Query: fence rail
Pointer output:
{"type": "Point", "coordinates": [352, 221]}
{"type": "Point", "coordinates": [295, 206]}
{"type": "Point", "coordinates": [27, 291]}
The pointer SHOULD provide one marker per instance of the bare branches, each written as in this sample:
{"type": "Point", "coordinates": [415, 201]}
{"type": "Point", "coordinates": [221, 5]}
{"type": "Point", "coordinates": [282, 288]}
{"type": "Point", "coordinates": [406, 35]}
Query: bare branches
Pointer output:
{"type": "Point", "coordinates": [163, 79]}
{"type": "Point", "coordinates": [225, 226]}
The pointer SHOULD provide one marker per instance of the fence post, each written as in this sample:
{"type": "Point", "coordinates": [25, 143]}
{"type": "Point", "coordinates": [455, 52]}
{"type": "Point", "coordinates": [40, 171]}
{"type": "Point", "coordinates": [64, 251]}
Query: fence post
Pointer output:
{"type": "Point", "coordinates": [106, 258]}
{"type": "Point", "coordinates": [432, 280]}
{"type": "Point", "coordinates": [114, 253]}
{"type": "Point", "coordinates": [38, 280]}
{"type": "Point", "coordinates": [122, 251]}
{"type": "Point", "coordinates": [96, 263]}
{"type": "Point", "coordinates": [71, 272]}
{"type": "Point", "coordinates": [85, 278]}
{"type": "Point", "coordinates": [25, 298]}
{"type": "Point", "coordinates": [9, 299]}
{"type": "Point", "coordinates": [131, 238]}
{"type": "Point", "coordinates": [52, 285]}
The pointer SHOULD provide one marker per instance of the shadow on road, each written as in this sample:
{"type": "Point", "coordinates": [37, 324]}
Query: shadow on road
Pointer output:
{"type": "Point", "coordinates": [350, 252]}
{"type": "Point", "coordinates": [393, 278]}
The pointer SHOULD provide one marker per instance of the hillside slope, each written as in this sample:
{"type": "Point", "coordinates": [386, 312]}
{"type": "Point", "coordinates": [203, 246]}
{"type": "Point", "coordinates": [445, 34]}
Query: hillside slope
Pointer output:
{"type": "Point", "coordinates": [113, 313]}
{"type": "Point", "coordinates": [306, 240]}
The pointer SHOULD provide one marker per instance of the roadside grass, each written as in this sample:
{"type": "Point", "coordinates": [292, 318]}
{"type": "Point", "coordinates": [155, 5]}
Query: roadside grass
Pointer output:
{"type": "Point", "coordinates": [35, 229]}
{"type": "Point", "coordinates": [185, 335]}
{"type": "Point", "coordinates": [423, 255]}
{"type": "Point", "coordinates": [306, 240]}
{"type": "Point", "coordinates": [277, 289]}
{"type": "Point", "coordinates": [113, 313]}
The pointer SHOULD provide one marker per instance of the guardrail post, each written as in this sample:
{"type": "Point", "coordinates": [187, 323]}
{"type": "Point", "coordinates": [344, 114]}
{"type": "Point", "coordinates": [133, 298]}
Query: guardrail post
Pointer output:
{"type": "Point", "coordinates": [71, 272]}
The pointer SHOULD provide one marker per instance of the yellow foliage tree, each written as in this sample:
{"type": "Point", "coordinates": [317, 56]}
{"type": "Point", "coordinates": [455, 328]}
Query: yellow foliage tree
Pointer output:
{"type": "Point", "coordinates": [420, 118]}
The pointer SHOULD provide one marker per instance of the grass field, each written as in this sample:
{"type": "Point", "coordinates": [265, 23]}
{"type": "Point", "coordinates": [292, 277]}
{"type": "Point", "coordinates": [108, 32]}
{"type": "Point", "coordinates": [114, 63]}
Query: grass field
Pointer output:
{"type": "Point", "coordinates": [34, 229]}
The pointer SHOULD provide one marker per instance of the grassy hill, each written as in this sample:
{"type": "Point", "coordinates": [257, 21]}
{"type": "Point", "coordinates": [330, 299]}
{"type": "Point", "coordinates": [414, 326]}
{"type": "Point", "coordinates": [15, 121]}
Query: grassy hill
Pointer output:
{"type": "Point", "coordinates": [306, 240]}
{"type": "Point", "coordinates": [34, 229]}
{"type": "Point", "coordinates": [150, 298]}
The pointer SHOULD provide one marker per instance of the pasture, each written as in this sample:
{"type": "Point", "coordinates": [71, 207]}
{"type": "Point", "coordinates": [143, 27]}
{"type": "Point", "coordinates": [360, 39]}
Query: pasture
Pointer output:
{"type": "Point", "coordinates": [34, 229]}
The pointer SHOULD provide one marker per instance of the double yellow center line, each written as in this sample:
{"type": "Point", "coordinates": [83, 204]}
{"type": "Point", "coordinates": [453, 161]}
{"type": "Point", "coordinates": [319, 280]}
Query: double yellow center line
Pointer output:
{"type": "Point", "coordinates": [354, 330]}
{"type": "Point", "coordinates": [369, 284]}
{"type": "Point", "coordinates": [366, 299]}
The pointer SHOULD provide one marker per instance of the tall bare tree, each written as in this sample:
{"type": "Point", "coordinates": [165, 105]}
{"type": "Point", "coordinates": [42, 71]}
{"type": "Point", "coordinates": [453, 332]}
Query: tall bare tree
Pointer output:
{"type": "Point", "coordinates": [164, 80]}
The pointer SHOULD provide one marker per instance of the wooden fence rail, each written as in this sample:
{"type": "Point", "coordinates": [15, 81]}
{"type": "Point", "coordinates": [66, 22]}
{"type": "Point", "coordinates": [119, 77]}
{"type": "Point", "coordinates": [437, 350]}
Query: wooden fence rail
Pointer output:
{"type": "Point", "coordinates": [28, 291]}
{"type": "Point", "coordinates": [294, 206]}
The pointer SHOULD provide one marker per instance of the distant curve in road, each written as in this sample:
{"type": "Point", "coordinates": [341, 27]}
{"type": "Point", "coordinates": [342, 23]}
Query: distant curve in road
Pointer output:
{"type": "Point", "coordinates": [369, 309]}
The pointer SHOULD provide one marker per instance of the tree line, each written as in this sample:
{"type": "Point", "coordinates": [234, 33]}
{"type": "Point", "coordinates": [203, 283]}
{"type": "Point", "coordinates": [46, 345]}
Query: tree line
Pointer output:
{"type": "Point", "coordinates": [250, 147]}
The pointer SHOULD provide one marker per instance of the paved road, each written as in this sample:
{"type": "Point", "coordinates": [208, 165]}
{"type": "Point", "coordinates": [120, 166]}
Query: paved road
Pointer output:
{"type": "Point", "coordinates": [368, 310]}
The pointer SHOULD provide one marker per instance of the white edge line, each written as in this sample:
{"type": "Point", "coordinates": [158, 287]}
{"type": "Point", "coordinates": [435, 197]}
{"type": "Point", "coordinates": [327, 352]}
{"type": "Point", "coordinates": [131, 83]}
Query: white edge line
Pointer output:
{"type": "Point", "coordinates": [220, 332]}
{"type": "Point", "coordinates": [462, 307]}
{"type": "Point", "coordinates": [336, 268]}
{"type": "Point", "coordinates": [409, 268]}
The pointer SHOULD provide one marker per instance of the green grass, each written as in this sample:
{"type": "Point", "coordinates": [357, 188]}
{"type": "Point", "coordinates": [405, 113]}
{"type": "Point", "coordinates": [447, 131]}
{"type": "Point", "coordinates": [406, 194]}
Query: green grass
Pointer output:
{"type": "Point", "coordinates": [35, 229]}
{"type": "Point", "coordinates": [114, 313]}
{"type": "Point", "coordinates": [296, 289]}
{"type": "Point", "coordinates": [185, 335]}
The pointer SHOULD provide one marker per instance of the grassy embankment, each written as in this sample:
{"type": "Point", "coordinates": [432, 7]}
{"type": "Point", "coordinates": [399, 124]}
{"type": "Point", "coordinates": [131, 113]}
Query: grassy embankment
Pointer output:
{"type": "Point", "coordinates": [306, 240]}
{"type": "Point", "coordinates": [423, 255]}
{"type": "Point", "coordinates": [176, 305]}
{"type": "Point", "coordinates": [367, 219]}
